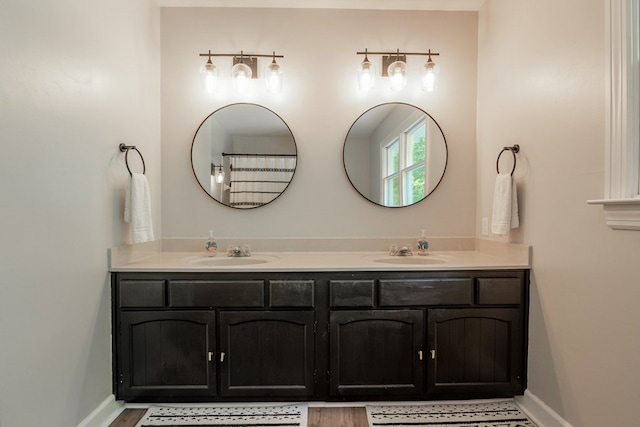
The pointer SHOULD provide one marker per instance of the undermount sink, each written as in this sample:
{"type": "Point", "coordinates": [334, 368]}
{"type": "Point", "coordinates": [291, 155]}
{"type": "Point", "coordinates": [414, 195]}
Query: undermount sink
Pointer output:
{"type": "Point", "coordinates": [232, 261]}
{"type": "Point", "coordinates": [410, 260]}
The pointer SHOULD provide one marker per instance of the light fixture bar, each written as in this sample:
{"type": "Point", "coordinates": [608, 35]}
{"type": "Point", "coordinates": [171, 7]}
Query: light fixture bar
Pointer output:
{"type": "Point", "coordinates": [429, 53]}
{"type": "Point", "coordinates": [389, 58]}
{"type": "Point", "coordinates": [244, 55]}
{"type": "Point", "coordinates": [250, 59]}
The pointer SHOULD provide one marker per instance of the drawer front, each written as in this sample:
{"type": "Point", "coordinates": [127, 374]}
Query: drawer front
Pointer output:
{"type": "Point", "coordinates": [352, 293]}
{"type": "Point", "coordinates": [499, 290]}
{"type": "Point", "coordinates": [426, 292]}
{"type": "Point", "coordinates": [291, 293]}
{"type": "Point", "coordinates": [141, 293]}
{"type": "Point", "coordinates": [214, 293]}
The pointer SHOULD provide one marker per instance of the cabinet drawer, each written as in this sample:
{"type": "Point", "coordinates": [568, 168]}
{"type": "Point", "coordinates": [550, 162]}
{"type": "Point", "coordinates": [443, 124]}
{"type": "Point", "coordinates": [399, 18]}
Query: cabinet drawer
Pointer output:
{"type": "Point", "coordinates": [499, 290]}
{"type": "Point", "coordinates": [291, 293]}
{"type": "Point", "coordinates": [352, 293]}
{"type": "Point", "coordinates": [141, 293]}
{"type": "Point", "coordinates": [205, 293]}
{"type": "Point", "coordinates": [426, 292]}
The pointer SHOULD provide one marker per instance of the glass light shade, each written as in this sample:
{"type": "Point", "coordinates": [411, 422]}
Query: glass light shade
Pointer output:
{"type": "Point", "coordinates": [273, 77]}
{"type": "Point", "coordinates": [241, 76]}
{"type": "Point", "coordinates": [209, 74]}
{"type": "Point", "coordinates": [220, 176]}
{"type": "Point", "coordinates": [397, 72]}
{"type": "Point", "coordinates": [366, 74]}
{"type": "Point", "coordinates": [429, 76]}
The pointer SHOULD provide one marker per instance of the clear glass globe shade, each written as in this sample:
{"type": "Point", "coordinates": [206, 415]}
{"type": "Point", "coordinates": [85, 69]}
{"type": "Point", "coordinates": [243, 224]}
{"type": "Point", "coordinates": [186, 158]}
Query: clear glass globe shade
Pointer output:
{"type": "Point", "coordinates": [209, 75]}
{"type": "Point", "coordinates": [429, 76]}
{"type": "Point", "coordinates": [273, 78]}
{"type": "Point", "coordinates": [220, 176]}
{"type": "Point", "coordinates": [366, 75]}
{"type": "Point", "coordinates": [397, 72]}
{"type": "Point", "coordinates": [241, 74]}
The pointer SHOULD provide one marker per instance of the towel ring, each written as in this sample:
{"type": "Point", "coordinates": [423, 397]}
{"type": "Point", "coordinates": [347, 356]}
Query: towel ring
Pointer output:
{"type": "Point", "coordinates": [514, 149]}
{"type": "Point", "coordinates": [125, 149]}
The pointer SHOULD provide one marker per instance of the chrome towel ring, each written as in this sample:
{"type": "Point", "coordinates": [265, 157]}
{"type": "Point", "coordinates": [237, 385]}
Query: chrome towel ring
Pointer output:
{"type": "Point", "coordinates": [125, 149]}
{"type": "Point", "coordinates": [514, 149]}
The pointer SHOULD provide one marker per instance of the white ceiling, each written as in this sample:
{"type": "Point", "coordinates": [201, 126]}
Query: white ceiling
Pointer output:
{"type": "Point", "coordinates": [452, 5]}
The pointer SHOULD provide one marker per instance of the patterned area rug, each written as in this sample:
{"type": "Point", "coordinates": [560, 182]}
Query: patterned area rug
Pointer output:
{"type": "Point", "coordinates": [483, 414]}
{"type": "Point", "coordinates": [232, 416]}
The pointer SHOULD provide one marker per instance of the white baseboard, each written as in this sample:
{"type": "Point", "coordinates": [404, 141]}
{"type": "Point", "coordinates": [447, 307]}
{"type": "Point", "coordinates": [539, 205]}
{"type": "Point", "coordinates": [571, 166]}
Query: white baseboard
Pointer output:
{"type": "Point", "coordinates": [539, 412]}
{"type": "Point", "coordinates": [104, 414]}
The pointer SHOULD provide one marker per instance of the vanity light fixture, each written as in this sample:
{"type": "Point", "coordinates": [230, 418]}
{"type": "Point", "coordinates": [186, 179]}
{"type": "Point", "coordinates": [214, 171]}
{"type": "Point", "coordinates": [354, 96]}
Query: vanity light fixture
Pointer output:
{"type": "Point", "coordinates": [366, 74]}
{"type": "Point", "coordinates": [394, 66]}
{"type": "Point", "coordinates": [209, 73]}
{"type": "Point", "coordinates": [429, 74]}
{"type": "Point", "coordinates": [241, 74]}
{"type": "Point", "coordinates": [245, 68]}
{"type": "Point", "coordinates": [273, 77]}
{"type": "Point", "coordinates": [397, 72]}
{"type": "Point", "coordinates": [218, 174]}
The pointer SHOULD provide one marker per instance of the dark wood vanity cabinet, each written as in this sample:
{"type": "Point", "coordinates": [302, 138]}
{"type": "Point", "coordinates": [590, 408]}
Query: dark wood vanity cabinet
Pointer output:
{"type": "Point", "coordinates": [319, 336]}
{"type": "Point", "coordinates": [474, 351]}
{"type": "Point", "coordinates": [376, 353]}
{"type": "Point", "coordinates": [267, 353]}
{"type": "Point", "coordinates": [167, 354]}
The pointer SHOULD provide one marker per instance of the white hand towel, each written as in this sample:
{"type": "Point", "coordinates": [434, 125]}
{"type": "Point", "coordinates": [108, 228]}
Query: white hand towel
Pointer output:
{"type": "Point", "coordinates": [137, 208]}
{"type": "Point", "coordinates": [505, 205]}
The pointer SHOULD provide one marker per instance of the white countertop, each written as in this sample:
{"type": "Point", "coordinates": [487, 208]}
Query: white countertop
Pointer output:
{"type": "Point", "coordinates": [493, 257]}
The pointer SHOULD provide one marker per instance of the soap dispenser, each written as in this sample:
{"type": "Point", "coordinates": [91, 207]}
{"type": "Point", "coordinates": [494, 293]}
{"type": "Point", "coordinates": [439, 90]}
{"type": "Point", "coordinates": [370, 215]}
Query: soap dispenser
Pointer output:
{"type": "Point", "coordinates": [423, 244]}
{"type": "Point", "coordinates": [211, 247]}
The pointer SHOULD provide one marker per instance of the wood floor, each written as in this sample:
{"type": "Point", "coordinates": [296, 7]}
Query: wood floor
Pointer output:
{"type": "Point", "coordinates": [318, 417]}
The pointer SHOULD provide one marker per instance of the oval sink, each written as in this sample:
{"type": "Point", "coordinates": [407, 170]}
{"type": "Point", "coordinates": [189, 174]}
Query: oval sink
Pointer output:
{"type": "Point", "coordinates": [231, 261]}
{"type": "Point", "coordinates": [413, 260]}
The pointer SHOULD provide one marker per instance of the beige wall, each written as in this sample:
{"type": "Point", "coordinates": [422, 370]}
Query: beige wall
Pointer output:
{"type": "Point", "coordinates": [76, 79]}
{"type": "Point", "coordinates": [320, 102]}
{"type": "Point", "coordinates": [541, 84]}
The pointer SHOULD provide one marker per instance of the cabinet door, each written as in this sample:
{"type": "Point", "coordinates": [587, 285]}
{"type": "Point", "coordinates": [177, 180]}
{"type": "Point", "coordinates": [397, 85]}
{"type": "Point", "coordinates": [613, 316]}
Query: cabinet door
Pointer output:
{"type": "Point", "coordinates": [474, 352]}
{"type": "Point", "coordinates": [166, 354]}
{"type": "Point", "coordinates": [376, 352]}
{"type": "Point", "coordinates": [267, 353]}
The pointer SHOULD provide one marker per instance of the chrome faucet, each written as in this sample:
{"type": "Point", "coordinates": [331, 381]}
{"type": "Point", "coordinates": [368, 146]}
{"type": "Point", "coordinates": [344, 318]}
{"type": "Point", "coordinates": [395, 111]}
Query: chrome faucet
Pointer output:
{"type": "Point", "coordinates": [237, 251]}
{"type": "Point", "coordinates": [400, 251]}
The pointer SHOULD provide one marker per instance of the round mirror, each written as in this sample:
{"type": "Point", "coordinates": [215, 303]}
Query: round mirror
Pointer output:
{"type": "Point", "coordinates": [395, 154]}
{"type": "Point", "coordinates": [243, 155]}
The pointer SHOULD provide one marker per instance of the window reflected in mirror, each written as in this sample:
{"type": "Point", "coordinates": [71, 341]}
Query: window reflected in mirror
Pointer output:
{"type": "Point", "coordinates": [395, 155]}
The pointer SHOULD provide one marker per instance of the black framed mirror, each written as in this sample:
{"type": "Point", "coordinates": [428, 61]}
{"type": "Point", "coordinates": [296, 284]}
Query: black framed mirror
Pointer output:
{"type": "Point", "coordinates": [243, 155]}
{"type": "Point", "coordinates": [395, 154]}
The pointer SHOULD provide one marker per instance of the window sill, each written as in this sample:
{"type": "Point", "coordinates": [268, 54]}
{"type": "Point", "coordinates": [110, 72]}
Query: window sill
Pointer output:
{"type": "Point", "coordinates": [620, 214]}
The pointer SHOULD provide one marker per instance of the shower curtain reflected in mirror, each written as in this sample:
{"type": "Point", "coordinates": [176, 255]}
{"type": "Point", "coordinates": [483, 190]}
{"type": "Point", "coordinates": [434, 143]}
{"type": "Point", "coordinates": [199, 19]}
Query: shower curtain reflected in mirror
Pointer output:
{"type": "Point", "coordinates": [256, 180]}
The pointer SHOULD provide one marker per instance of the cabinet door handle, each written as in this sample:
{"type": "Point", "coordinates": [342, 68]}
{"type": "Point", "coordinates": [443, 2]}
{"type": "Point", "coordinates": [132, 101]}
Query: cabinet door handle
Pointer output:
{"type": "Point", "coordinates": [420, 354]}
{"type": "Point", "coordinates": [433, 354]}
{"type": "Point", "coordinates": [221, 357]}
{"type": "Point", "coordinates": [210, 356]}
